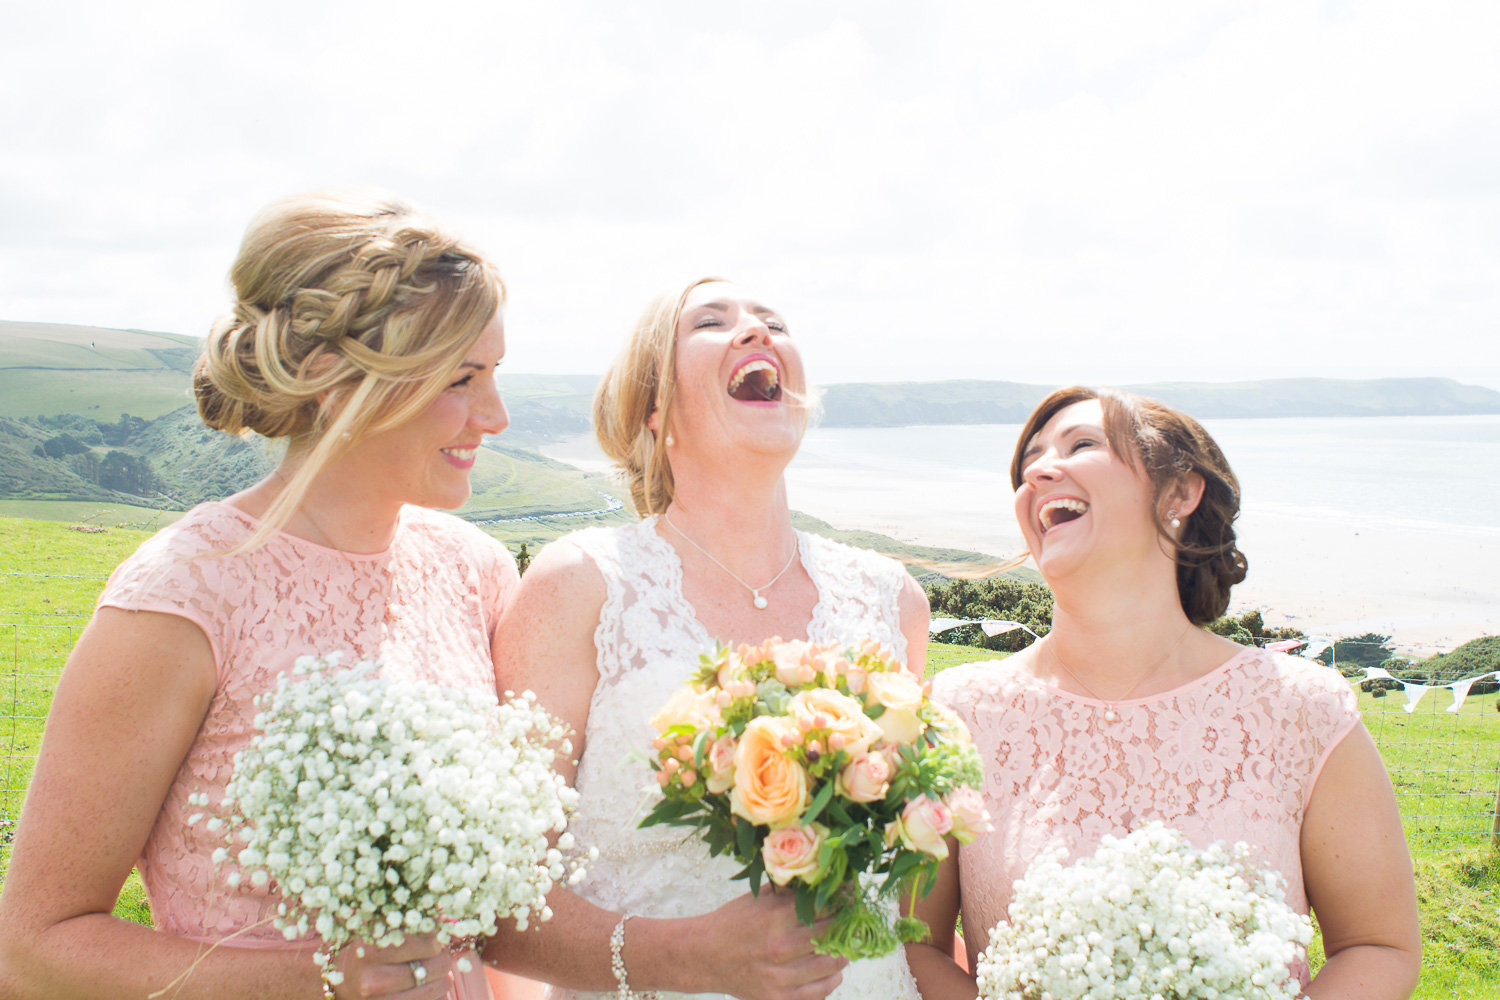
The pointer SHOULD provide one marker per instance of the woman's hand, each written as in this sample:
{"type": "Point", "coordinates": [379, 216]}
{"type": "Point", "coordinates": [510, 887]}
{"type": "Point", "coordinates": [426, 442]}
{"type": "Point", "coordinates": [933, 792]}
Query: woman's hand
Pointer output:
{"type": "Point", "coordinates": [393, 972]}
{"type": "Point", "coordinates": [755, 948]}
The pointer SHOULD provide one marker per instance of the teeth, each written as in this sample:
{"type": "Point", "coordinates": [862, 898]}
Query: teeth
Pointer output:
{"type": "Point", "coordinates": [462, 454]}
{"type": "Point", "coordinates": [1048, 514]}
{"type": "Point", "coordinates": [754, 366]}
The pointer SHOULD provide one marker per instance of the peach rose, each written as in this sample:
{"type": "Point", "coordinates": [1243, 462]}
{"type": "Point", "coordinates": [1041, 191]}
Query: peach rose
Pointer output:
{"type": "Point", "coordinates": [922, 826]}
{"type": "Point", "coordinates": [769, 786]}
{"type": "Point", "coordinates": [970, 818]}
{"type": "Point", "coordinates": [866, 778]}
{"type": "Point", "coordinates": [825, 708]}
{"type": "Point", "coordinates": [721, 764]}
{"type": "Point", "coordinates": [792, 851]}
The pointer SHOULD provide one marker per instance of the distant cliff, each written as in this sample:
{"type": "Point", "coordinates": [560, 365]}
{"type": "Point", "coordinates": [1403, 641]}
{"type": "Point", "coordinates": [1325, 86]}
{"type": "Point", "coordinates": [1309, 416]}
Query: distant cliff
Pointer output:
{"type": "Point", "coordinates": [970, 401]}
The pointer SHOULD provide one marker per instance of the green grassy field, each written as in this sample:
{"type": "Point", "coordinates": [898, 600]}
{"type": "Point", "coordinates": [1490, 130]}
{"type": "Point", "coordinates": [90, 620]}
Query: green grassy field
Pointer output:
{"type": "Point", "coordinates": [1445, 766]}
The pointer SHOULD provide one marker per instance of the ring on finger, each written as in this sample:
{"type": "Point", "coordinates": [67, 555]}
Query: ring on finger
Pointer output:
{"type": "Point", "coordinates": [418, 970]}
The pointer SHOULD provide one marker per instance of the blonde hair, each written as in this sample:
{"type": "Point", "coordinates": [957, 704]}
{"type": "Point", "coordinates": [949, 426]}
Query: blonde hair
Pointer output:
{"type": "Point", "coordinates": [351, 313]}
{"type": "Point", "coordinates": [643, 378]}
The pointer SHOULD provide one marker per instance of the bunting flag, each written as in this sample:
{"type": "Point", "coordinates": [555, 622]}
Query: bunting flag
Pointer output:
{"type": "Point", "coordinates": [991, 626]}
{"type": "Point", "coordinates": [1309, 649]}
{"type": "Point", "coordinates": [1414, 690]}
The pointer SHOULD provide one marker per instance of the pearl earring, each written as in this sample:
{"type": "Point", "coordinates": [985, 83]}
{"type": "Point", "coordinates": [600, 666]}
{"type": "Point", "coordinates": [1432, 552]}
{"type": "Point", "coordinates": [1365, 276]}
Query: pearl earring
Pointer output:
{"type": "Point", "coordinates": [670, 441]}
{"type": "Point", "coordinates": [1175, 521]}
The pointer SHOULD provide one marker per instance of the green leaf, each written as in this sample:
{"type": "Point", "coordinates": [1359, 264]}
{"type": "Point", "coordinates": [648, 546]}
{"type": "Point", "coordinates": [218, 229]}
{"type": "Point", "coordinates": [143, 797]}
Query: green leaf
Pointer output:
{"type": "Point", "coordinates": [807, 905]}
{"type": "Point", "coordinates": [700, 749]}
{"type": "Point", "coordinates": [875, 711]}
{"type": "Point", "coordinates": [744, 832]}
{"type": "Point", "coordinates": [816, 806]}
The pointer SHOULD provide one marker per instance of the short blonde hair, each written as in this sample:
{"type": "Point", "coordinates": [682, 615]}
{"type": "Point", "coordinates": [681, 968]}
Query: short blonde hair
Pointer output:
{"type": "Point", "coordinates": [642, 378]}
{"type": "Point", "coordinates": [351, 313]}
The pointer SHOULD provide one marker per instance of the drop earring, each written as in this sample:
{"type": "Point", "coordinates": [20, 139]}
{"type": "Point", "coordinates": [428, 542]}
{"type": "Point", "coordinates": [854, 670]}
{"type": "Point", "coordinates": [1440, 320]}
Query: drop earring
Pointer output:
{"type": "Point", "coordinates": [1174, 520]}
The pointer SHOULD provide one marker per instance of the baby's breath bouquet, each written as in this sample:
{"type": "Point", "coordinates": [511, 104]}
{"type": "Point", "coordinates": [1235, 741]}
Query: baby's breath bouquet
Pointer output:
{"type": "Point", "coordinates": [383, 807]}
{"type": "Point", "coordinates": [814, 766]}
{"type": "Point", "coordinates": [1147, 916]}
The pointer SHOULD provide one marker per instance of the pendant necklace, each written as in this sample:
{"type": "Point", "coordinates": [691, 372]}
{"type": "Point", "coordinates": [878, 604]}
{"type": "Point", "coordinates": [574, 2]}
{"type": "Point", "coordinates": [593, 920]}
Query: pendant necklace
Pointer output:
{"type": "Point", "coordinates": [759, 601]}
{"type": "Point", "coordinates": [1110, 715]}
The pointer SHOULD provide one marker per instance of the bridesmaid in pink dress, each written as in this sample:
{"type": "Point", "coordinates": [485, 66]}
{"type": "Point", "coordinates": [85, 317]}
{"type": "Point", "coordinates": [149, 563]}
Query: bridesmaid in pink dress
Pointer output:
{"type": "Point", "coordinates": [367, 338]}
{"type": "Point", "coordinates": [1129, 711]}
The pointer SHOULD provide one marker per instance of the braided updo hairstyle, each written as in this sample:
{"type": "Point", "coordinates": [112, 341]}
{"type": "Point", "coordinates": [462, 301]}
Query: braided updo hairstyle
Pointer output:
{"type": "Point", "coordinates": [351, 313]}
{"type": "Point", "coordinates": [1169, 445]}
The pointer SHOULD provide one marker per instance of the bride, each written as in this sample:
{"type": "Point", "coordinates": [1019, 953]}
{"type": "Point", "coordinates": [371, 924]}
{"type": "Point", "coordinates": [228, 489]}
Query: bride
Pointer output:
{"type": "Point", "coordinates": [703, 410]}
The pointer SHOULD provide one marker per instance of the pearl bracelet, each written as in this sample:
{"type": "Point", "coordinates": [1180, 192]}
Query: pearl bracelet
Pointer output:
{"type": "Point", "coordinates": [617, 966]}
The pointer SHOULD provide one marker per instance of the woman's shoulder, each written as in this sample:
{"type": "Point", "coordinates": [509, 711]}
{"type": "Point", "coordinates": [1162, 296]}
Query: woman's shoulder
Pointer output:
{"type": "Point", "coordinates": [1313, 692]}
{"type": "Point", "coordinates": [175, 550]}
{"type": "Point", "coordinates": [976, 680]}
{"type": "Point", "coordinates": [441, 528]}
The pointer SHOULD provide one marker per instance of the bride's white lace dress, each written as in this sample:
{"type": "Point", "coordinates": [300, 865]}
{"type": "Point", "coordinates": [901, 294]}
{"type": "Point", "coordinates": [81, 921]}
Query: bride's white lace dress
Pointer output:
{"type": "Point", "coordinates": [649, 640]}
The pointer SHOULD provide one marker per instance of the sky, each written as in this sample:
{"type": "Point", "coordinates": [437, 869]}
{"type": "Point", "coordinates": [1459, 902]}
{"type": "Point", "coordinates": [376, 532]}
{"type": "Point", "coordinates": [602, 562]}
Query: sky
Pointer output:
{"type": "Point", "coordinates": [1093, 192]}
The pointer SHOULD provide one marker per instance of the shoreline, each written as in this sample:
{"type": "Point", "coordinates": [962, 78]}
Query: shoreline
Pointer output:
{"type": "Point", "coordinates": [1430, 586]}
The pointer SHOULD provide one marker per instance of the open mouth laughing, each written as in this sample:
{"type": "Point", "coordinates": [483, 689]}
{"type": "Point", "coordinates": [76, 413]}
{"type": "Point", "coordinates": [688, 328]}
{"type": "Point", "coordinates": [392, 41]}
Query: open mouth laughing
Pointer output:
{"type": "Point", "coordinates": [756, 380]}
{"type": "Point", "coordinates": [1060, 511]}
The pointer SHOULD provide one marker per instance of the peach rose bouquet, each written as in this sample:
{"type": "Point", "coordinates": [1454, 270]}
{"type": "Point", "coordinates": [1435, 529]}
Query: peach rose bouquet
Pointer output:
{"type": "Point", "coordinates": [827, 770]}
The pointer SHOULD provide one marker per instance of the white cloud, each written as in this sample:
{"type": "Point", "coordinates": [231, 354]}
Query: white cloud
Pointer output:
{"type": "Point", "coordinates": [1061, 192]}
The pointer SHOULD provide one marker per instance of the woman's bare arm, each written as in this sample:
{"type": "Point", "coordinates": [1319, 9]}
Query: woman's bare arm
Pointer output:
{"type": "Point", "coordinates": [1358, 874]}
{"type": "Point", "coordinates": [127, 708]}
{"type": "Point", "coordinates": [916, 617]}
{"type": "Point", "coordinates": [938, 976]}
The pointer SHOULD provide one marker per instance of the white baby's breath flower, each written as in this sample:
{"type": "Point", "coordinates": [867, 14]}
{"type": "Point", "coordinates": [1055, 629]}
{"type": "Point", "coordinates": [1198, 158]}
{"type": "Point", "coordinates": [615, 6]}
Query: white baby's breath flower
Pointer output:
{"type": "Point", "coordinates": [1147, 915]}
{"type": "Point", "coordinates": [383, 807]}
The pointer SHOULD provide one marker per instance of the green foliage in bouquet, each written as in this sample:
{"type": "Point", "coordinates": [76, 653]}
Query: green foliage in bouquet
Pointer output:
{"type": "Point", "coordinates": [825, 769]}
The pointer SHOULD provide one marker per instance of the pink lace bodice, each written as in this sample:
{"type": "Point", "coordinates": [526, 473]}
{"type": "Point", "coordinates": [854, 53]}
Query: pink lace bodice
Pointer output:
{"type": "Point", "coordinates": [1231, 756]}
{"type": "Point", "coordinates": [428, 606]}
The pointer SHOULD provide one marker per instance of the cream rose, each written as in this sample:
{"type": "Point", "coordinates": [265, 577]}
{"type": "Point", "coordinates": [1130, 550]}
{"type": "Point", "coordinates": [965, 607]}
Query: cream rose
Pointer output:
{"type": "Point", "coordinates": [895, 690]}
{"type": "Point", "coordinates": [792, 663]}
{"type": "Point", "coordinates": [866, 778]}
{"type": "Point", "coordinates": [792, 852]}
{"type": "Point", "coordinates": [769, 786]}
{"type": "Point", "coordinates": [922, 826]}
{"type": "Point", "coordinates": [840, 715]}
{"type": "Point", "coordinates": [970, 818]}
{"type": "Point", "coordinates": [686, 707]}
{"type": "Point", "coordinates": [900, 726]}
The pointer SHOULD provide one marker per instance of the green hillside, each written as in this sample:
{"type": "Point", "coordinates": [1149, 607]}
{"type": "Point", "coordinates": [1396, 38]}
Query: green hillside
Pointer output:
{"type": "Point", "coordinates": [47, 369]}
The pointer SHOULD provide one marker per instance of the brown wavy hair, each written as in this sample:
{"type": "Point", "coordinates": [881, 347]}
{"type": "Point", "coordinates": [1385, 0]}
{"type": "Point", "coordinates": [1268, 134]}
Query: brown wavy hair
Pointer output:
{"type": "Point", "coordinates": [1168, 445]}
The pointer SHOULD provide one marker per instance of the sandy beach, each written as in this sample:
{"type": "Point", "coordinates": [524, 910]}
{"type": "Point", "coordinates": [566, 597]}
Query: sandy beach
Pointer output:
{"type": "Point", "coordinates": [1429, 585]}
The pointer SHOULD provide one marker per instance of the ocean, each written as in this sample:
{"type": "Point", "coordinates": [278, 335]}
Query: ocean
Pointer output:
{"type": "Point", "coordinates": [1351, 524]}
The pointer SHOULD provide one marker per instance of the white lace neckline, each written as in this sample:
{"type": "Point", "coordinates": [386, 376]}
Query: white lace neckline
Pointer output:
{"type": "Point", "coordinates": [673, 563]}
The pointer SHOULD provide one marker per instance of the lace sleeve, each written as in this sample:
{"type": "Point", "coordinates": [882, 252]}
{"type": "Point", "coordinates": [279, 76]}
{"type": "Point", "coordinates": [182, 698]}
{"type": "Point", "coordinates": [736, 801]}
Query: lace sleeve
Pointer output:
{"type": "Point", "coordinates": [599, 544]}
{"type": "Point", "coordinates": [166, 576]}
{"type": "Point", "coordinates": [861, 594]}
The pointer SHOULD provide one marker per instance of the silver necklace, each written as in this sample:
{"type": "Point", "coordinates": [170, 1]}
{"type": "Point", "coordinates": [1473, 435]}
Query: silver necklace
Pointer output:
{"type": "Point", "coordinates": [759, 601]}
{"type": "Point", "coordinates": [1110, 715]}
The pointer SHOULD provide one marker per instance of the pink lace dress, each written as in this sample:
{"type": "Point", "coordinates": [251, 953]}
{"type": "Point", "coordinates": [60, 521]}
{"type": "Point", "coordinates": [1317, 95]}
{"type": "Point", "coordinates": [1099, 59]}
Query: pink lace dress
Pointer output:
{"type": "Point", "coordinates": [1232, 756]}
{"type": "Point", "coordinates": [428, 606]}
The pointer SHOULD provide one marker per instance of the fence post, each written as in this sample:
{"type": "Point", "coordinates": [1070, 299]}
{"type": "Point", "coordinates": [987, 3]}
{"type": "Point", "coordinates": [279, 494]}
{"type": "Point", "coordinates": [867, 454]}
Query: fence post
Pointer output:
{"type": "Point", "coordinates": [1495, 822]}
